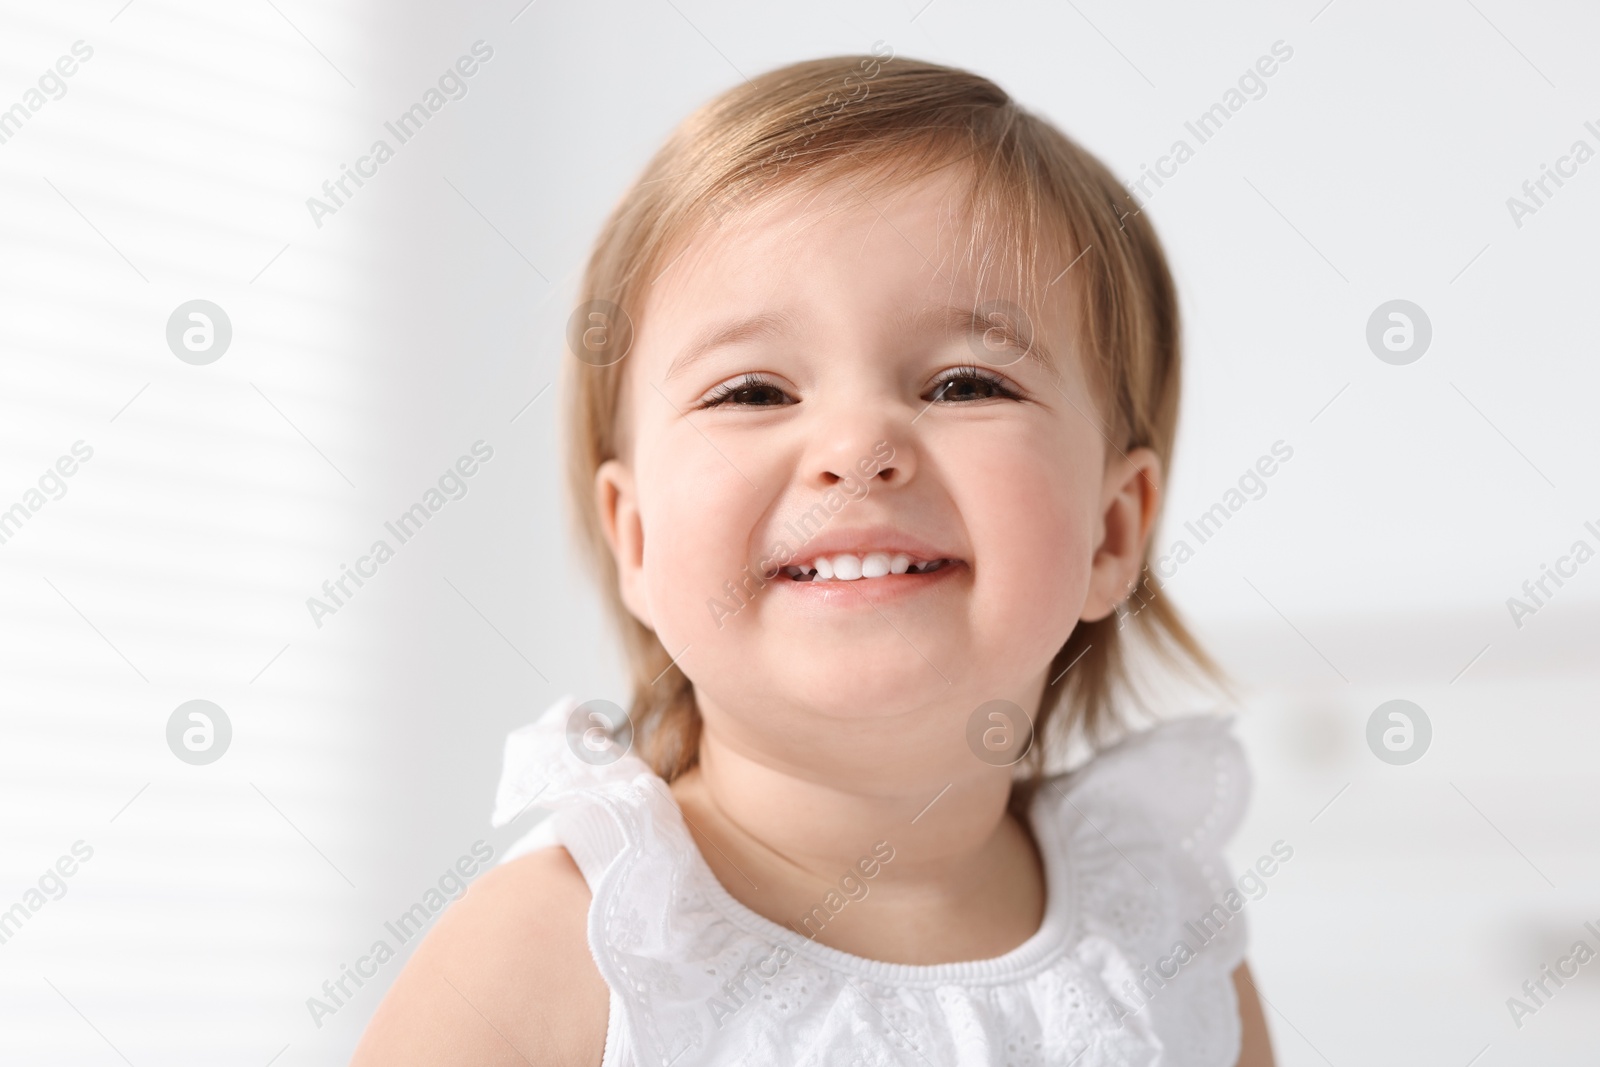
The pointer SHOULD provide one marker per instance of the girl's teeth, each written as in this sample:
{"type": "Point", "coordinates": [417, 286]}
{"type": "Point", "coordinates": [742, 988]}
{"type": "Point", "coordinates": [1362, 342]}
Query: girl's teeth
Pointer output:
{"type": "Point", "coordinates": [848, 568]}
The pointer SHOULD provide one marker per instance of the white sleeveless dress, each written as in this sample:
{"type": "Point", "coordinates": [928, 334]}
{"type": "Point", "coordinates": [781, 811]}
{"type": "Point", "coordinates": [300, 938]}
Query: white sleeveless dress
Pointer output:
{"type": "Point", "coordinates": [1131, 966]}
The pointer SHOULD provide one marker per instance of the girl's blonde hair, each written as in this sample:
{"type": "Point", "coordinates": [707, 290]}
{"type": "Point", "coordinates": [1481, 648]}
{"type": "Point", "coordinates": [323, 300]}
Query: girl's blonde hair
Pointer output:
{"type": "Point", "coordinates": [1044, 202]}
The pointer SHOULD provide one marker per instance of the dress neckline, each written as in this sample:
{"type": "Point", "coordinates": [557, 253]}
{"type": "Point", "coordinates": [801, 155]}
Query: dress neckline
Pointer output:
{"type": "Point", "coordinates": [1037, 952]}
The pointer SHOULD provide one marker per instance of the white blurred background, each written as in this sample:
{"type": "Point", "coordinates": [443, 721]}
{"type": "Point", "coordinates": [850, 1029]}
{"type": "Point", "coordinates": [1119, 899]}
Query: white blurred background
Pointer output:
{"type": "Point", "coordinates": [427, 314]}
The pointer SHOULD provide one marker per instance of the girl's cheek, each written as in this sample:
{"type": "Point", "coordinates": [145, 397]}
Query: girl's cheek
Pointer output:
{"type": "Point", "coordinates": [1034, 530]}
{"type": "Point", "coordinates": [696, 544]}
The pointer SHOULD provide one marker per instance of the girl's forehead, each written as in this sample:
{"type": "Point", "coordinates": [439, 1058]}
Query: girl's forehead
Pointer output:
{"type": "Point", "coordinates": [917, 227]}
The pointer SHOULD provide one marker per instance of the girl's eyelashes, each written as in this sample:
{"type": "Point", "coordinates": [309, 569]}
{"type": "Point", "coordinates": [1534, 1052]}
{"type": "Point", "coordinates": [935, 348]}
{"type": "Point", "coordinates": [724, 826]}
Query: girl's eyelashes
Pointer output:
{"type": "Point", "coordinates": [748, 390]}
{"type": "Point", "coordinates": [958, 385]}
{"type": "Point", "coordinates": [962, 385]}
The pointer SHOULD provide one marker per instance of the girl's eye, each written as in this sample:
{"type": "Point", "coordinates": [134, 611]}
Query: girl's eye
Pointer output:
{"type": "Point", "coordinates": [752, 390]}
{"type": "Point", "coordinates": [960, 385]}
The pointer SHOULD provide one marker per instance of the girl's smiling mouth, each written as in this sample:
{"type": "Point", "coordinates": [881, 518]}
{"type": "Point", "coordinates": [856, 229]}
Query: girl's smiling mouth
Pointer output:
{"type": "Point", "coordinates": [863, 555]}
{"type": "Point", "coordinates": [874, 564]}
{"type": "Point", "coordinates": [864, 592]}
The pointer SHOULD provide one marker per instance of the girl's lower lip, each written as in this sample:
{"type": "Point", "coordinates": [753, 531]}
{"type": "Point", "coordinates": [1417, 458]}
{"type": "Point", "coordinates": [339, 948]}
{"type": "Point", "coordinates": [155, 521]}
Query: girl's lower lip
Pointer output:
{"type": "Point", "coordinates": [867, 591]}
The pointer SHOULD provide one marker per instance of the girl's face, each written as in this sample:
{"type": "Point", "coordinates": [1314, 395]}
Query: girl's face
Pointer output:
{"type": "Point", "coordinates": [809, 392]}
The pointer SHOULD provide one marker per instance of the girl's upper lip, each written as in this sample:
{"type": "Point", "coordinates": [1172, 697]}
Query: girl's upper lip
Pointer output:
{"type": "Point", "coordinates": [863, 539]}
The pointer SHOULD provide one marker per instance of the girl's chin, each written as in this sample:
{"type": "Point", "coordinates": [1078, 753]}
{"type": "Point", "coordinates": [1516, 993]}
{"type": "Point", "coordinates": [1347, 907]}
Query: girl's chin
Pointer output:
{"type": "Point", "coordinates": [900, 687]}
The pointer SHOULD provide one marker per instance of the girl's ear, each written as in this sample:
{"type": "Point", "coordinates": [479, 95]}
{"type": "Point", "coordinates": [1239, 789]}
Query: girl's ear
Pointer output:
{"type": "Point", "coordinates": [1129, 500]}
{"type": "Point", "coordinates": [618, 502]}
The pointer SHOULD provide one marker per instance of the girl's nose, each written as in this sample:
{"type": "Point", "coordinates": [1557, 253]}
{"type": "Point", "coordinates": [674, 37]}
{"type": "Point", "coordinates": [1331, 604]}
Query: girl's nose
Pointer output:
{"type": "Point", "coordinates": [858, 448]}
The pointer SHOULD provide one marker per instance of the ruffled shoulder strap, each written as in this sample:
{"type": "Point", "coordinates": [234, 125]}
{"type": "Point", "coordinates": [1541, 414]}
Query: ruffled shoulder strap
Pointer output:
{"type": "Point", "coordinates": [1147, 819]}
{"type": "Point", "coordinates": [1186, 776]}
{"type": "Point", "coordinates": [624, 830]}
{"type": "Point", "coordinates": [542, 770]}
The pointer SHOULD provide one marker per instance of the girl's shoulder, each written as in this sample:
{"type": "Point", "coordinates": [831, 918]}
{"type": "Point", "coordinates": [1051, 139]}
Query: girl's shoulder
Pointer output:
{"type": "Point", "coordinates": [505, 977]}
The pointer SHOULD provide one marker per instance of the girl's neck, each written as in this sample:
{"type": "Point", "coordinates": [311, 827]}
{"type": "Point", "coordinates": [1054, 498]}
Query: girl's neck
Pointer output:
{"type": "Point", "coordinates": [920, 874]}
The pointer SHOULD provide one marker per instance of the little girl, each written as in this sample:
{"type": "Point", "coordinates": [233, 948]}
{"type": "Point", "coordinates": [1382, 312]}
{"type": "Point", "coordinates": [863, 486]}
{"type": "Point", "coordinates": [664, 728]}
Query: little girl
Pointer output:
{"type": "Point", "coordinates": [874, 387]}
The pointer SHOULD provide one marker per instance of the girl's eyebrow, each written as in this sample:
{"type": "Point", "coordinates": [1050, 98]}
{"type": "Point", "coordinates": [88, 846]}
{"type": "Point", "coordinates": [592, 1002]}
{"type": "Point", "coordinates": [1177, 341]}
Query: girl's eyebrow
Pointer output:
{"type": "Point", "coordinates": [970, 322]}
{"type": "Point", "coordinates": [745, 328]}
{"type": "Point", "coordinates": [973, 323]}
